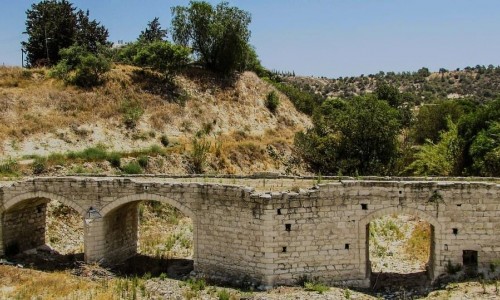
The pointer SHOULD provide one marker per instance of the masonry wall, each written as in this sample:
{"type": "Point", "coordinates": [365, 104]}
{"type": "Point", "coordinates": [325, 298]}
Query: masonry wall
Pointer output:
{"type": "Point", "coordinates": [24, 226]}
{"type": "Point", "coordinates": [270, 238]}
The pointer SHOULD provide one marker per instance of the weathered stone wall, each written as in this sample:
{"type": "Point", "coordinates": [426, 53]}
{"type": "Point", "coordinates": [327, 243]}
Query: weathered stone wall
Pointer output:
{"type": "Point", "coordinates": [272, 238]}
{"type": "Point", "coordinates": [24, 226]}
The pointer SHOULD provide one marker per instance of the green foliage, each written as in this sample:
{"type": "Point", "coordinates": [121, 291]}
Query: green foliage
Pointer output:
{"type": "Point", "coordinates": [388, 93]}
{"type": "Point", "coordinates": [132, 112]}
{"type": "Point", "coordinates": [143, 161]}
{"type": "Point", "coordinates": [485, 151]}
{"type": "Point", "coordinates": [39, 165]}
{"type": "Point", "coordinates": [164, 140]}
{"type": "Point", "coordinates": [9, 168]}
{"type": "Point", "coordinates": [199, 152]}
{"type": "Point", "coordinates": [351, 137]}
{"type": "Point", "coordinates": [114, 159]}
{"type": "Point", "coordinates": [438, 159]}
{"type": "Point", "coordinates": [161, 56]}
{"type": "Point", "coordinates": [318, 287]}
{"type": "Point", "coordinates": [272, 101]}
{"type": "Point", "coordinates": [153, 32]}
{"type": "Point", "coordinates": [223, 294]}
{"type": "Point", "coordinates": [132, 168]}
{"type": "Point", "coordinates": [54, 25]}
{"type": "Point", "coordinates": [196, 284]}
{"type": "Point", "coordinates": [218, 35]}
{"type": "Point", "coordinates": [431, 120]}
{"type": "Point", "coordinates": [81, 67]}
{"type": "Point", "coordinates": [303, 101]}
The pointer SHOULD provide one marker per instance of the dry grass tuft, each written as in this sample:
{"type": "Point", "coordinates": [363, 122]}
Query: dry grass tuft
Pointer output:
{"type": "Point", "coordinates": [418, 245]}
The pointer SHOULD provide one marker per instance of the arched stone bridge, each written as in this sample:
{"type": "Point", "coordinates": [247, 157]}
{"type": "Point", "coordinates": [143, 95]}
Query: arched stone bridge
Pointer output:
{"type": "Point", "coordinates": [272, 238]}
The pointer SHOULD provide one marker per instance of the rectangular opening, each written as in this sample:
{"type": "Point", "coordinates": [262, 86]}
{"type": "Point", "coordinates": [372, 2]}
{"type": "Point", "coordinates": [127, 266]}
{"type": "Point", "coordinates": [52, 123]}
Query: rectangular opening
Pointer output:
{"type": "Point", "coordinates": [279, 211]}
{"type": "Point", "coordinates": [455, 231]}
{"type": "Point", "coordinates": [288, 227]}
{"type": "Point", "coordinates": [284, 249]}
{"type": "Point", "coordinates": [469, 258]}
{"type": "Point", "coordinates": [346, 246]}
{"type": "Point", "coordinates": [364, 206]}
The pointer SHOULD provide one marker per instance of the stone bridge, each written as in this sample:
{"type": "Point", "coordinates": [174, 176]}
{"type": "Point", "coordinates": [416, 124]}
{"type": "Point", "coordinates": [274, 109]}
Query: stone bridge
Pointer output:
{"type": "Point", "coordinates": [269, 237]}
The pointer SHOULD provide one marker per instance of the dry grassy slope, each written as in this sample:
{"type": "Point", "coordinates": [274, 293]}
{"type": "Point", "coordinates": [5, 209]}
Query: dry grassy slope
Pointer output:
{"type": "Point", "coordinates": [40, 115]}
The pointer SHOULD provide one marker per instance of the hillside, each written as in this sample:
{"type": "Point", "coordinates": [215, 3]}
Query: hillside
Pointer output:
{"type": "Point", "coordinates": [133, 111]}
{"type": "Point", "coordinates": [480, 82]}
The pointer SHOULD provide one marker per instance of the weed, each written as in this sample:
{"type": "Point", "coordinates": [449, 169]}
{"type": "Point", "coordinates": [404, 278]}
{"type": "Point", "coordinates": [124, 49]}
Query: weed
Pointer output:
{"type": "Point", "coordinates": [39, 165]}
{"type": "Point", "coordinates": [197, 284]}
{"type": "Point", "coordinates": [453, 268]}
{"type": "Point", "coordinates": [272, 101]}
{"type": "Point", "coordinates": [9, 168]}
{"type": "Point", "coordinates": [164, 140]}
{"type": "Point", "coordinates": [56, 158]}
{"type": "Point", "coordinates": [114, 159]}
{"type": "Point", "coordinates": [316, 287]}
{"type": "Point", "coordinates": [143, 161]}
{"type": "Point", "coordinates": [132, 112]}
{"type": "Point", "coordinates": [199, 154]}
{"type": "Point", "coordinates": [347, 293]}
{"type": "Point", "coordinates": [132, 168]}
{"type": "Point", "coordinates": [223, 295]}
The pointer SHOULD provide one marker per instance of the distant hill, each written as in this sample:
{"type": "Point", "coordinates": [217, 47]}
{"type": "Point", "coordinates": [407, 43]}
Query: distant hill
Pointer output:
{"type": "Point", "coordinates": [479, 83]}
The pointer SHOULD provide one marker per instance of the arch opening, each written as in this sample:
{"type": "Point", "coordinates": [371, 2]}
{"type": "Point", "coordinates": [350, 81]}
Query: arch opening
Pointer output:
{"type": "Point", "coordinates": [400, 251]}
{"type": "Point", "coordinates": [44, 233]}
{"type": "Point", "coordinates": [150, 236]}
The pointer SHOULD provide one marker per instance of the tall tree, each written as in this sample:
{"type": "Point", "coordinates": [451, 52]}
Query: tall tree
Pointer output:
{"type": "Point", "coordinates": [355, 136]}
{"type": "Point", "coordinates": [218, 35]}
{"type": "Point", "coordinates": [90, 33]}
{"type": "Point", "coordinates": [53, 25]}
{"type": "Point", "coordinates": [153, 32]}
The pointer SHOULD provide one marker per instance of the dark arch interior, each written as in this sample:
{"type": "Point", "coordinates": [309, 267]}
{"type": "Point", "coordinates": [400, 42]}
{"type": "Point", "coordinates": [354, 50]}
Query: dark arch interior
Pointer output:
{"type": "Point", "coordinates": [43, 233]}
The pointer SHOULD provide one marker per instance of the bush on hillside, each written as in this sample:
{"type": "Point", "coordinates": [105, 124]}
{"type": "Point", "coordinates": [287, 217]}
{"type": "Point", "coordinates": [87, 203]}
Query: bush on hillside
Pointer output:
{"type": "Point", "coordinates": [272, 101]}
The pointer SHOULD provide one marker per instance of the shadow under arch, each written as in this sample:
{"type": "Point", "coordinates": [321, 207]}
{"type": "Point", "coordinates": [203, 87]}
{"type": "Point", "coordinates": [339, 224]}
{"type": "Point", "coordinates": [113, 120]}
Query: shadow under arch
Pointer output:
{"type": "Point", "coordinates": [24, 220]}
{"type": "Point", "coordinates": [120, 221]}
{"type": "Point", "coordinates": [436, 238]}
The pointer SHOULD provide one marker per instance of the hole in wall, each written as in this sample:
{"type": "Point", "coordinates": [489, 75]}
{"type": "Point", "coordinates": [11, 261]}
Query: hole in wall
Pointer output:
{"type": "Point", "coordinates": [364, 206]}
{"type": "Point", "coordinates": [284, 249]}
{"type": "Point", "coordinates": [455, 231]}
{"type": "Point", "coordinates": [279, 211]}
{"type": "Point", "coordinates": [288, 227]}
{"type": "Point", "coordinates": [346, 246]}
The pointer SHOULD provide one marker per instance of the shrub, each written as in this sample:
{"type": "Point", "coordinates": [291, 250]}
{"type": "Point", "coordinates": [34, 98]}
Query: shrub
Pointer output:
{"type": "Point", "coordinates": [316, 287]}
{"type": "Point", "coordinates": [114, 159]}
{"type": "Point", "coordinates": [272, 101]}
{"type": "Point", "coordinates": [143, 161]}
{"type": "Point", "coordinates": [132, 168]}
{"type": "Point", "coordinates": [197, 284]}
{"type": "Point", "coordinates": [199, 154]}
{"type": "Point", "coordinates": [81, 67]}
{"type": "Point", "coordinates": [223, 295]}
{"type": "Point", "coordinates": [164, 140]}
{"type": "Point", "coordinates": [39, 165]}
{"type": "Point", "coordinates": [452, 268]}
{"type": "Point", "coordinates": [132, 112]}
{"type": "Point", "coordinates": [10, 167]}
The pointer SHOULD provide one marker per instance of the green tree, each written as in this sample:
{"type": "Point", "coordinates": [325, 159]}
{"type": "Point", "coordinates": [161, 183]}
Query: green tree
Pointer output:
{"type": "Point", "coordinates": [53, 25]}
{"type": "Point", "coordinates": [438, 158]}
{"type": "Point", "coordinates": [81, 67]}
{"type": "Point", "coordinates": [153, 32]}
{"type": "Point", "coordinates": [355, 136]}
{"type": "Point", "coordinates": [161, 56]}
{"type": "Point", "coordinates": [90, 34]}
{"type": "Point", "coordinates": [218, 35]}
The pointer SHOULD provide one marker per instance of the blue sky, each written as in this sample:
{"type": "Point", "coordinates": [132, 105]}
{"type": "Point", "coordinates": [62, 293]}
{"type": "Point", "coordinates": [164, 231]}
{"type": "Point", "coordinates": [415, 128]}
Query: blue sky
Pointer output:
{"type": "Point", "coordinates": [318, 37]}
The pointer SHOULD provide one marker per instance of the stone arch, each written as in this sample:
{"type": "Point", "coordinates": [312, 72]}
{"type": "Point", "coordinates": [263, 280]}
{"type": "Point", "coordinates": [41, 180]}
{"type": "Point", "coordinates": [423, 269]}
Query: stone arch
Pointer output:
{"type": "Point", "coordinates": [145, 197]}
{"type": "Point", "coordinates": [435, 253]}
{"type": "Point", "coordinates": [40, 194]}
{"type": "Point", "coordinates": [119, 227]}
